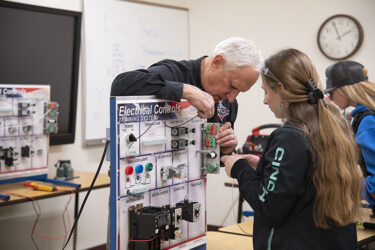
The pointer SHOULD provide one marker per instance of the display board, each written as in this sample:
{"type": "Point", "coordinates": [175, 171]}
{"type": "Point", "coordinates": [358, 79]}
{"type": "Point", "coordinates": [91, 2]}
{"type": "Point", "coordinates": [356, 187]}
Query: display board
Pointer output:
{"type": "Point", "coordinates": [120, 36]}
{"type": "Point", "coordinates": [27, 117]}
{"type": "Point", "coordinates": [161, 153]}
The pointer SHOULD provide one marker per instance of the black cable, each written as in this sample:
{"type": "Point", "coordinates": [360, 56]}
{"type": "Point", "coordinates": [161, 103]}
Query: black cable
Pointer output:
{"type": "Point", "coordinates": [143, 132]}
{"type": "Point", "coordinates": [179, 124]}
{"type": "Point", "coordinates": [88, 193]}
{"type": "Point", "coordinates": [164, 124]}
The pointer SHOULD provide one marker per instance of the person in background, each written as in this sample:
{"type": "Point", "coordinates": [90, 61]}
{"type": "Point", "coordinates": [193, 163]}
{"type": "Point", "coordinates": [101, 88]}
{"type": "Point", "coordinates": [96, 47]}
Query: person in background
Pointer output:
{"type": "Point", "coordinates": [210, 83]}
{"type": "Point", "coordinates": [305, 188]}
{"type": "Point", "coordinates": [348, 85]}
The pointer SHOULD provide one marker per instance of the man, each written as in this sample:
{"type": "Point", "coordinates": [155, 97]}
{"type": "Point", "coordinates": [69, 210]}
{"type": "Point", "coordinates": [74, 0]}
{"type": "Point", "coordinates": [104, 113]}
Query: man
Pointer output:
{"type": "Point", "coordinates": [210, 83]}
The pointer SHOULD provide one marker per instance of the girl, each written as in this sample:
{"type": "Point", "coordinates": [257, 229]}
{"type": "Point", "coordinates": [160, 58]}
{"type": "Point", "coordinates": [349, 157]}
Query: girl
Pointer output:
{"type": "Point", "coordinates": [305, 189]}
{"type": "Point", "coordinates": [348, 85]}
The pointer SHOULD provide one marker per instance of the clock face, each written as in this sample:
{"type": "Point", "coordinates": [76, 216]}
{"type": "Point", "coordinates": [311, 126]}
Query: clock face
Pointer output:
{"type": "Point", "coordinates": [340, 37]}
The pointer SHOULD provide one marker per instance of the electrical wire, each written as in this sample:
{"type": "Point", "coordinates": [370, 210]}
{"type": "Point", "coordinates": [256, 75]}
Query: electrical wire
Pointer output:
{"type": "Point", "coordinates": [27, 124]}
{"type": "Point", "coordinates": [63, 217]}
{"type": "Point", "coordinates": [88, 193]}
{"type": "Point", "coordinates": [38, 212]}
{"type": "Point", "coordinates": [65, 234]}
{"type": "Point", "coordinates": [32, 231]}
{"type": "Point", "coordinates": [144, 132]}
{"type": "Point", "coordinates": [164, 124]}
{"type": "Point", "coordinates": [234, 215]}
{"type": "Point", "coordinates": [144, 240]}
{"type": "Point", "coordinates": [228, 213]}
{"type": "Point", "coordinates": [179, 124]}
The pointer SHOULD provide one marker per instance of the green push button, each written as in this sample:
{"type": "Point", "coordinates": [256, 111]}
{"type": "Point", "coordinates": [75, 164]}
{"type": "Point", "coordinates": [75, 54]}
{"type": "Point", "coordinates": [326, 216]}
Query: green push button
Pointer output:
{"type": "Point", "coordinates": [148, 166]}
{"type": "Point", "coordinates": [212, 167]}
{"type": "Point", "coordinates": [51, 129]}
{"type": "Point", "coordinates": [52, 113]}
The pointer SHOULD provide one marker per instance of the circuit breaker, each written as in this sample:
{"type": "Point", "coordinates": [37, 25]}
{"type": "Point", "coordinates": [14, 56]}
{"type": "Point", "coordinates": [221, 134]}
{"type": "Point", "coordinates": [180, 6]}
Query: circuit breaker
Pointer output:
{"type": "Point", "coordinates": [27, 117]}
{"type": "Point", "coordinates": [159, 164]}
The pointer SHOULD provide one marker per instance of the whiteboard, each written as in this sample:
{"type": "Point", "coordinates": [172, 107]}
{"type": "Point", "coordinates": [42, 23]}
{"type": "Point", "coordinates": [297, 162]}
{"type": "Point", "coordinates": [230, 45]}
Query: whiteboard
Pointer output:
{"type": "Point", "coordinates": [121, 36]}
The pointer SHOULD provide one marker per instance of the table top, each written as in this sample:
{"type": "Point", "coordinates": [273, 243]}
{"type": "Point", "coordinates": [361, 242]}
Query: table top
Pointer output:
{"type": "Point", "coordinates": [18, 188]}
{"type": "Point", "coordinates": [225, 241]}
{"type": "Point", "coordinates": [364, 235]}
{"type": "Point", "coordinates": [246, 226]}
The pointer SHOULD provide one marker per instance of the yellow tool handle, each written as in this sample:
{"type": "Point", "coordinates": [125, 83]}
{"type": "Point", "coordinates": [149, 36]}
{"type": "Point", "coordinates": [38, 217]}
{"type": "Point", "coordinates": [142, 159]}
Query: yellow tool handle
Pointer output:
{"type": "Point", "coordinates": [43, 187]}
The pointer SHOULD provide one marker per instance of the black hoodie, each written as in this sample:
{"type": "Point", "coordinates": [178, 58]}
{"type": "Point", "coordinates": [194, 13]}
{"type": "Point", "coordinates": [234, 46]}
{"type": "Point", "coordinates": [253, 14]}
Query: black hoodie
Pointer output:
{"type": "Point", "coordinates": [282, 193]}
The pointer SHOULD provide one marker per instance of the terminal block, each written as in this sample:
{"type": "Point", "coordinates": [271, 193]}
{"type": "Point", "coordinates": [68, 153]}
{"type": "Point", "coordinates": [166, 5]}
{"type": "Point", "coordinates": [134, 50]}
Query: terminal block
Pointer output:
{"type": "Point", "coordinates": [210, 142]}
{"type": "Point", "coordinates": [210, 129]}
{"type": "Point", "coordinates": [210, 149]}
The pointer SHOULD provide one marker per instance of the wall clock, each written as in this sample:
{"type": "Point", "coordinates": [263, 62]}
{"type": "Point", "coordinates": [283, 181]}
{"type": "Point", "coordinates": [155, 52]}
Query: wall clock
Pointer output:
{"type": "Point", "coordinates": [340, 36]}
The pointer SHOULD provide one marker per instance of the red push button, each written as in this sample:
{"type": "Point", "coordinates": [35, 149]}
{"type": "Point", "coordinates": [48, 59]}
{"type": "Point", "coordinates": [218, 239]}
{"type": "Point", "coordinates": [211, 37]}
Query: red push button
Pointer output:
{"type": "Point", "coordinates": [128, 170]}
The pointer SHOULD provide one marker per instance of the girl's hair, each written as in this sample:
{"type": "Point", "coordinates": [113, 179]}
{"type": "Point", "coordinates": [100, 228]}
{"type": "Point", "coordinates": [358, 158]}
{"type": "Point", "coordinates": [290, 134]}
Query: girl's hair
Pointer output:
{"type": "Point", "coordinates": [362, 92]}
{"type": "Point", "coordinates": [336, 177]}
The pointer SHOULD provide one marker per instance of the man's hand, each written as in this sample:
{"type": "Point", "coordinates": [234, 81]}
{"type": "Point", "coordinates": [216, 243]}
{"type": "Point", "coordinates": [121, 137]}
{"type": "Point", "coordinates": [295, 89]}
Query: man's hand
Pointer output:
{"type": "Point", "coordinates": [201, 100]}
{"type": "Point", "coordinates": [229, 161]}
{"type": "Point", "coordinates": [226, 138]}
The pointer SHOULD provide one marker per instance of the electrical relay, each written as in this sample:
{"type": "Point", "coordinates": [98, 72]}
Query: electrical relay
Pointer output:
{"type": "Point", "coordinates": [27, 117]}
{"type": "Point", "coordinates": [161, 153]}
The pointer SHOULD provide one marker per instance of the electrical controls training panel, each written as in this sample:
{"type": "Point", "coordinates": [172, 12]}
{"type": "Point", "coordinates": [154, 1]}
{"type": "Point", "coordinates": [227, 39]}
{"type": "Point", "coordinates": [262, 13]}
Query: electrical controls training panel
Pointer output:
{"type": "Point", "coordinates": [161, 153]}
{"type": "Point", "coordinates": [27, 117]}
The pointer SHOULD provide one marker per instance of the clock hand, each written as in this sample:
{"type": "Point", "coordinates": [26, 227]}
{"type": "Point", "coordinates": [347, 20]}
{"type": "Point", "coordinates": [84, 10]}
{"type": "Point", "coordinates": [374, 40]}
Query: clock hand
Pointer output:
{"type": "Point", "coordinates": [346, 33]}
{"type": "Point", "coordinates": [337, 32]}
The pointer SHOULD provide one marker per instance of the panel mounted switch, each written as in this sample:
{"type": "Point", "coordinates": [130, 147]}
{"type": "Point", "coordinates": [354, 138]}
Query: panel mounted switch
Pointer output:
{"type": "Point", "coordinates": [131, 138]}
{"type": "Point", "coordinates": [177, 144]}
{"type": "Point", "coordinates": [179, 131]}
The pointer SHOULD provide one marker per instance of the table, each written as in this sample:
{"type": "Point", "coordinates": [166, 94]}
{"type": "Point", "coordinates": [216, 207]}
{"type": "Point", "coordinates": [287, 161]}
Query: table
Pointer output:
{"type": "Point", "coordinates": [225, 241]}
{"type": "Point", "coordinates": [85, 179]}
{"type": "Point", "coordinates": [364, 235]}
{"type": "Point", "coordinates": [246, 226]}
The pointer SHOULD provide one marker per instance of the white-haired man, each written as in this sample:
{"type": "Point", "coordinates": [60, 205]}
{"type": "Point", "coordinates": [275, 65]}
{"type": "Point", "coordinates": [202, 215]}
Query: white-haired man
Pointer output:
{"type": "Point", "coordinates": [210, 83]}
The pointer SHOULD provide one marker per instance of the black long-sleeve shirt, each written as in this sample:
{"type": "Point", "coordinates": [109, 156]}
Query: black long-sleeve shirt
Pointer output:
{"type": "Point", "coordinates": [165, 80]}
{"type": "Point", "coordinates": [282, 193]}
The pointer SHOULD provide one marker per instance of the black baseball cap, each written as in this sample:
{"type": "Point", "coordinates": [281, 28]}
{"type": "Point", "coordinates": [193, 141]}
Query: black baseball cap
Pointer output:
{"type": "Point", "coordinates": [344, 73]}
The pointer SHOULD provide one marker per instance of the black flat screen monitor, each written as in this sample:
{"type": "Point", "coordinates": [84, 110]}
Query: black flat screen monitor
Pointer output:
{"type": "Point", "coordinates": [41, 45]}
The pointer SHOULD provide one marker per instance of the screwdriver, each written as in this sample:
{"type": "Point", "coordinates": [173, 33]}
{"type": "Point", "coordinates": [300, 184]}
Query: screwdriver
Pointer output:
{"type": "Point", "coordinates": [40, 187]}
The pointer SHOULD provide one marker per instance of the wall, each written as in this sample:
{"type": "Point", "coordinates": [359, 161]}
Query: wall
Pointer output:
{"type": "Point", "coordinates": [16, 221]}
{"type": "Point", "coordinates": [272, 24]}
